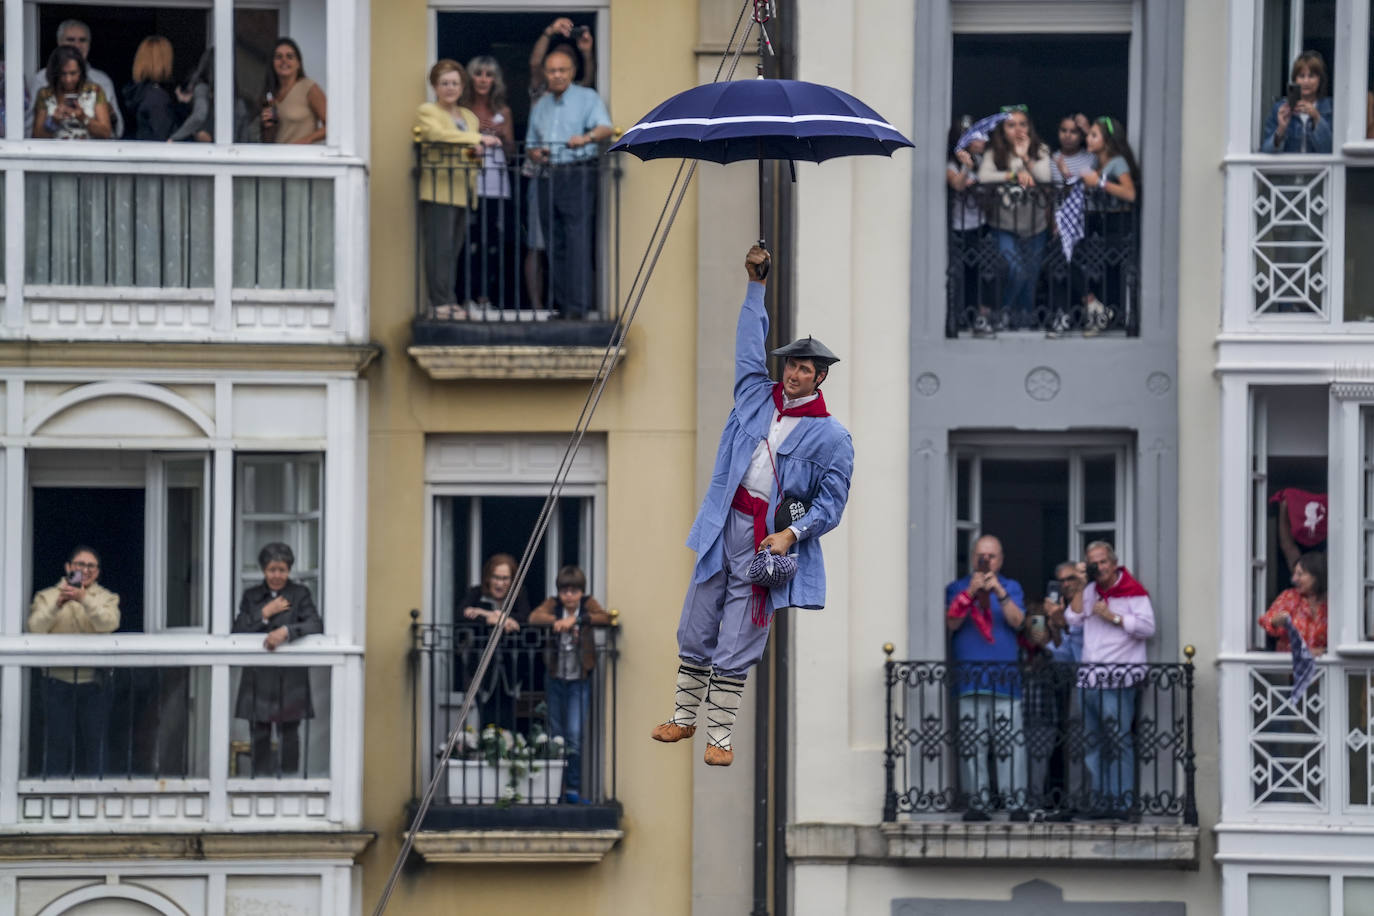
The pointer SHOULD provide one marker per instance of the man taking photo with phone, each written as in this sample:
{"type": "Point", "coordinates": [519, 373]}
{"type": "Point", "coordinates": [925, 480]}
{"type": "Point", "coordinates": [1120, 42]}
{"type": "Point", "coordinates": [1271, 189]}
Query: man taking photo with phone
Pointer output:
{"type": "Point", "coordinates": [983, 614]}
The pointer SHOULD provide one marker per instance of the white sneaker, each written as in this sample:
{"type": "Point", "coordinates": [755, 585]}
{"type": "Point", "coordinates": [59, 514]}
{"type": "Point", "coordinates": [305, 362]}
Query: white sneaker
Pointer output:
{"type": "Point", "coordinates": [1094, 317]}
{"type": "Point", "coordinates": [1059, 326]}
{"type": "Point", "coordinates": [982, 327]}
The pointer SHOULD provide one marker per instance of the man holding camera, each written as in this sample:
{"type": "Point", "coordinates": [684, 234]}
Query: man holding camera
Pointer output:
{"type": "Point", "coordinates": [73, 700]}
{"type": "Point", "coordinates": [984, 613]}
{"type": "Point", "coordinates": [1117, 619]}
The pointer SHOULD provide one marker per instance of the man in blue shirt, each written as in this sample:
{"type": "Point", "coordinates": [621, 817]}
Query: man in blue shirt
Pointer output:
{"type": "Point", "coordinates": [984, 614]}
{"type": "Point", "coordinates": [566, 126]}
{"type": "Point", "coordinates": [779, 442]}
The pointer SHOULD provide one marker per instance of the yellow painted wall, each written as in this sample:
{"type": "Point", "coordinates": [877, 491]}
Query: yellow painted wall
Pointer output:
{"type": "Point", "coordinates": [648, 417]}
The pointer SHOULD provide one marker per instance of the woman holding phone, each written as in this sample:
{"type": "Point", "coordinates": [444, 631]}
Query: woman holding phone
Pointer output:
{"type": "Point", "coordinates": [1301, 121]}
{"type": "Point", "coordinates": [70, 107]}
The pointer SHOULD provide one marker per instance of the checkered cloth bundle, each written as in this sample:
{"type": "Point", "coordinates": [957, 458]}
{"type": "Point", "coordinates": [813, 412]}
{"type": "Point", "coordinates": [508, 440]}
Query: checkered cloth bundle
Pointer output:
{"type": "Point", "coordinates": [771, 570]}
{"type": "Point", "coordinates": [1069, 219]}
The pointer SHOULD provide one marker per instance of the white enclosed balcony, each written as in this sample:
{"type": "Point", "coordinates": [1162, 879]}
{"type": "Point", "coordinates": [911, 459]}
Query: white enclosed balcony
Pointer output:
{"type": "Point", "coordinates": [222, 235]}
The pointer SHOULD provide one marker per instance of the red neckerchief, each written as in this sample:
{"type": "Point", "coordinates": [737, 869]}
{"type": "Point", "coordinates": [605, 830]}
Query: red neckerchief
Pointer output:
{"type": "Point", "coordinates": [1125, 587]}
{"type": "Point", "coordinates": [814, 408]}
{"type": "Point", "coordinates": [979, 608]}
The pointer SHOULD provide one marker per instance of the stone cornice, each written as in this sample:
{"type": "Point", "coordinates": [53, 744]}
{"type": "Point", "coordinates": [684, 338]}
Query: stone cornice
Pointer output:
{"type": "Point", "coordinates": [515, 847]}
{"type": "Point", "coordinates": [109, 354]}
{"type": "Point", "coordinates": [28, 847]}
{"type": "Point", "coordinates": [511, 361]}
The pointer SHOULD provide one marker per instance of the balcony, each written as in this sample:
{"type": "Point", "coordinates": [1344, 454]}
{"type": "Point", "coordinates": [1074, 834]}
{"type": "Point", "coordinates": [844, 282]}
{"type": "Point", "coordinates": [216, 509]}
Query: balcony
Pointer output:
{"type": "Point", "coordinates": [134, 734]}
{"type": "Point", "coordinates": [1044, 762]}
{"type": "Point", "coordinates": [503, 796]}
{"type": "Point", "coordinates": [1007, 270]}
{"type": "Point", "coordinates": [517, 273]}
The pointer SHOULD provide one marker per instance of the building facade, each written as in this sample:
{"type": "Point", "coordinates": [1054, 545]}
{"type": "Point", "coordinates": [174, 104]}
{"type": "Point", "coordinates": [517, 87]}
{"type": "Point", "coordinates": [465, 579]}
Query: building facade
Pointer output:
{"type": "Point", "coordinates": [185, 331]}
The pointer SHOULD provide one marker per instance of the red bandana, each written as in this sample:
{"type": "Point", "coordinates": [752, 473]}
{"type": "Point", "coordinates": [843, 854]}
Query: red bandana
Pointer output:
{"type": "Point", "coordinates": [814, 408]}
{"type": "Point", "coordinates": [1125, 587]}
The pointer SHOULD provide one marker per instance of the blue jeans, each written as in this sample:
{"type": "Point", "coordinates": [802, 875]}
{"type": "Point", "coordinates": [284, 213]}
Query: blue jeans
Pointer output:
{"type": "Point", "coordinates": [1108, 717]}
{"type": "Point", "coordinates": [567, 713]}
{"type": "Point", "coordinates": [74, 719]}
{"type": "Point", "coordinates": [1023, 257]}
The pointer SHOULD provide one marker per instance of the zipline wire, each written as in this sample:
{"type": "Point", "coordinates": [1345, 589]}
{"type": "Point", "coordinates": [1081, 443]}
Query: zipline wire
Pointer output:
{"type": "Point", "coordinates": [657, 239]}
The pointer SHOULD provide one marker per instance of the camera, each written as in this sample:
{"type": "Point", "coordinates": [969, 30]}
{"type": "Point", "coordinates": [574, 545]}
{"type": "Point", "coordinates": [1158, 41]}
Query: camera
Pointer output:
{"type": "Point", "coordinates": [580, 30]}
{"type": "Point", "coordinates": [1052, 592]}
{"type": "Point", "coordinates": [1092, 572]}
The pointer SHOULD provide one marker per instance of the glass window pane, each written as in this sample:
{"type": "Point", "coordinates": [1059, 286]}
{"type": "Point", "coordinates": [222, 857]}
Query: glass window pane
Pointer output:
{"type": "Point", "coordinates": [185, 525]}
{"type": "Point", "coordinates": [963, 489]}
{"type": "Point", "coordinates": [1099, 488]}
{"type": "Point", "coordinates": [1101, 534]}
{"type": "Point", "coordinates": [1283, 895]}
{"type": "Point", "coordinates": [280, 722]}
{"type": "Point", "coordinates": [1359, 896]}
{"type": "Point", "coordinates": [308, 486]}
{"type": "Point", "coordinates": [117, 722]}
{"type": "Point", "coordinates": [1359, 239]}
{"type": "Point", "coordinates": [266, 490]}
{"type": "Point", "coordinates": [1360, 730]}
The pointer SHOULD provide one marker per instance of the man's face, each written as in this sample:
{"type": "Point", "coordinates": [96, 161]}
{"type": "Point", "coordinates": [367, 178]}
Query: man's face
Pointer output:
{"type": "Point", "coordinates": [558, 72]}
{"type": "Point", "coordinates": [799, 378]}
{"type": "Point", "coordinates": [86, 564]}
{"type": "Point", "coordinates": [78, 38]}
{"type": "Point", "coordinates": [988, 553]}
{"type": "Point", "coordinates": [1106, 566]}
{"type": "Point", "coordinates": [1070, 583]}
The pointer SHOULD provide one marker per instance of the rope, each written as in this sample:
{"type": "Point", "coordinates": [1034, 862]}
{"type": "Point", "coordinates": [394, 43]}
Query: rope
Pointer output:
{"type": "Point", "coordinates": [657, 239]}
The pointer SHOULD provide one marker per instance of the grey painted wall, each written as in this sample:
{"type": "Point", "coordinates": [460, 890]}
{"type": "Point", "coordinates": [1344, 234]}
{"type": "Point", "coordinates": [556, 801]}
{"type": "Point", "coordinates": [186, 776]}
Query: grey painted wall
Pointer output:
{"type": "Point", "coordinates": [1023, 383]}
{"type": "Point", "coordinates": [1034, 898]}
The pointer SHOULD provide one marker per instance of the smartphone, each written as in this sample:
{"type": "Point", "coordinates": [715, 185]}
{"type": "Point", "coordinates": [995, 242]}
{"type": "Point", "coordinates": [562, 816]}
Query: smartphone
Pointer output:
{"type": "Point", "coordinates": [1052, 592]}
{"type": "Point", "coordinates": [1037, 621]}
{"type": "Point", "coordinates": [74, 578]}
{"type": "Point", "coordinates": [1294, 95]}
{"type": "Point", "coordinates": [580, 30]}
{"type": "Point", "coordinates": [70, 99]}
{"type": "Point", "coordinates": [984, 563]}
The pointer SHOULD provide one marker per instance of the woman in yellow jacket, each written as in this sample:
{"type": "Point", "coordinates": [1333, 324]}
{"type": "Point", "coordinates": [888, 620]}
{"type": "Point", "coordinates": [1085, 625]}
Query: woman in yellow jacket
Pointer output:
{"type": "Point", "coordinates": [449, 163]}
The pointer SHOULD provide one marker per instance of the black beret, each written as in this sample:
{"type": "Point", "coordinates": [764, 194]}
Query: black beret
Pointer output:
{"type": "Point", "coordinates": [808, 348]}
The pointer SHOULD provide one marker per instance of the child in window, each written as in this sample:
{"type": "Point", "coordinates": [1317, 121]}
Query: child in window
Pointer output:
{"type": "Point", "coordinates": [569, 657]}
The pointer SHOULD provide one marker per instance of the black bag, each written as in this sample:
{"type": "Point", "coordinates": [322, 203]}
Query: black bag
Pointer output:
{"type": "Point", "coordinates": [789, 512]}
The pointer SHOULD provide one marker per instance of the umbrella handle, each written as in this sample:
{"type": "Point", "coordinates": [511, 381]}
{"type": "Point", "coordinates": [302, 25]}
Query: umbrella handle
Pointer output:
{"type": "Point", "coordinates": [762, 269]}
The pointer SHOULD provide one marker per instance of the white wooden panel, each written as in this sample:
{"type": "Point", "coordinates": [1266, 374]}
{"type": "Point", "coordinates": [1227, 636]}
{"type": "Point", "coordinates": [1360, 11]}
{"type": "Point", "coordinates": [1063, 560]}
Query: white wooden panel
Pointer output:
{"type": "Point", "coordinates": [275, 893]}
{"type": "Point", "coordinates": [497, 458]}
{"type": "Point", "coordinates": [119, 417]}
{"type": "Point", "coordinates": [1058, 16]}
{"type": "Point", "coordinates": [279, 412]}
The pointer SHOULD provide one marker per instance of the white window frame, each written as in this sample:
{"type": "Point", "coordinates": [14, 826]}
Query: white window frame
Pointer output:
{"type": "Point", "coordinates": [1073, 449]}
{"type": "Point", "coordinates": [245, 554]}
{"type": "Point", "coordinates": [155, 537]}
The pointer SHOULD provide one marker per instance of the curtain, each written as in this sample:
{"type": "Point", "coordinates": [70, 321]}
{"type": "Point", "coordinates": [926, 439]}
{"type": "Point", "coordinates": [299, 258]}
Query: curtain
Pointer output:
{"type": "Point", "coordinates": [284, 233]}
{"type": "Point", "coordinates": [119, 230]}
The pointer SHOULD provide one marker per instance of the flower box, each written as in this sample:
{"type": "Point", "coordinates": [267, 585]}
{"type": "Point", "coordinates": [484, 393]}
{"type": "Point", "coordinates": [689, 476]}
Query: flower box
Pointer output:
{"type": "Point", "coordinates": [478, 782]}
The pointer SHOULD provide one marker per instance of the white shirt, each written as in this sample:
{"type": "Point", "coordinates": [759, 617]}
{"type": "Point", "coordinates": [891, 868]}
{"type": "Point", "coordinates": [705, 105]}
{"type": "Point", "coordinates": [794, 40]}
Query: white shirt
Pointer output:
{"type": "Point", "coordinates": [758, 480]}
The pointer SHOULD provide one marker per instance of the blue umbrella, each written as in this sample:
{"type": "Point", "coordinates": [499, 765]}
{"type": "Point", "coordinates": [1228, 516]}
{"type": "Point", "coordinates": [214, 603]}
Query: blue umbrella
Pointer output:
{"type": "Point", "coordinates": [980, 129]}
{"type": "Point", "coordinates": [761, 119]}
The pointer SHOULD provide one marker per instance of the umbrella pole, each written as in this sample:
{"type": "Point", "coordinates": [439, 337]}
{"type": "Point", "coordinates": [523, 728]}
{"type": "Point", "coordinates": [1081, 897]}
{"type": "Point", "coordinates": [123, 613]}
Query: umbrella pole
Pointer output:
{"type": "Point", "coordinates": [763, 233]}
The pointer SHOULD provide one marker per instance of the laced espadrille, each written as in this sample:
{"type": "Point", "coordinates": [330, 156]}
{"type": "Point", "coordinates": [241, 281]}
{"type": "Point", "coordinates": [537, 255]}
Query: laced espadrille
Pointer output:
{"type": "Point", "coordinates": [722, 705]}
{"type": "Point", "coordinates": [691, 688]}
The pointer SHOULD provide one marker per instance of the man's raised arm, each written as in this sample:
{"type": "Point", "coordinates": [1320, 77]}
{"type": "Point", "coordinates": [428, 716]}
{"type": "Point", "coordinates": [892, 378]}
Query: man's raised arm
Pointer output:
{"type": "Point", "coordinates": [751, 334]}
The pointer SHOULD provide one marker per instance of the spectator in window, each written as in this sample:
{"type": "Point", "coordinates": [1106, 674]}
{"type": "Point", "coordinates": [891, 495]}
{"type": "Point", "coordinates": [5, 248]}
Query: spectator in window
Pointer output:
{"type": "Point", "coordinates": [149, 97]}
{"type": "Point", "coordinates": [69, 106]}
{"type": "Point", "coordinates": [1073, 157]}
{"type": "Point", "coordinates": [575, 39]}
{"type": "Point", "coordinates": [983, 614]}
{"type": "Point", "coordinates": [966, 224]}
{"type": "Point", "coordinates": [448, 182]}
{"type": "Point", "coordinates": [75, 34]}
{"type": "Point", "coordinates": [1058, 647]}
{"type": "Point", "coordinates": [1304, 604]}
{"type": "Point", "coordinates": [493, 236]}
{"type": "Point", "coordinates": [1310, 132]}
{"type": "Point", "coordinates": [1016, 164]}
{"type": "Point", "coordinates": [280, 697]}
{"type": "Point", "coordinates": [75, 705]}
{"type": "Point", "coordinates": [566, 126]}
{"type": "Point", "coordinates": [293, 105]}
{"type": "Point", "coordinates": [198, 94]}
{"type": "Point", "coordinates": [569, 658]}
{"type": "Point", "coordinates": [1116, 176]}
{"type": "Point", "coordinates": [1117, 619]}
{"type": "Point", "coordinates": [481, 604]}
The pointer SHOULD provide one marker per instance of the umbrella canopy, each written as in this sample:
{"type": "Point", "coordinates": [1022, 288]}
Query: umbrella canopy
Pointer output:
{"type": "Point", "coordinates": [980, 129]}
{"type": "Point", "coordinates": [761, 119]}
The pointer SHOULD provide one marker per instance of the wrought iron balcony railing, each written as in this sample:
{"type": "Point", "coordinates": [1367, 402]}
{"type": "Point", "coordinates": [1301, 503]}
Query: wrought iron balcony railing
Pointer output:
{"type": "Point", "coordinates": [538, 734]}
{"type": "Point", "coordinates": [1008, 271]}
{"type": "Point", "coordinates": [1050, 741]}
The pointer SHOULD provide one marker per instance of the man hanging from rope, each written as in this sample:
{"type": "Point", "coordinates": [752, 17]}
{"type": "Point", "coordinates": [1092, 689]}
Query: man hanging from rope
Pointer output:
{"type": "Point", "coordinates": [780, 449]}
